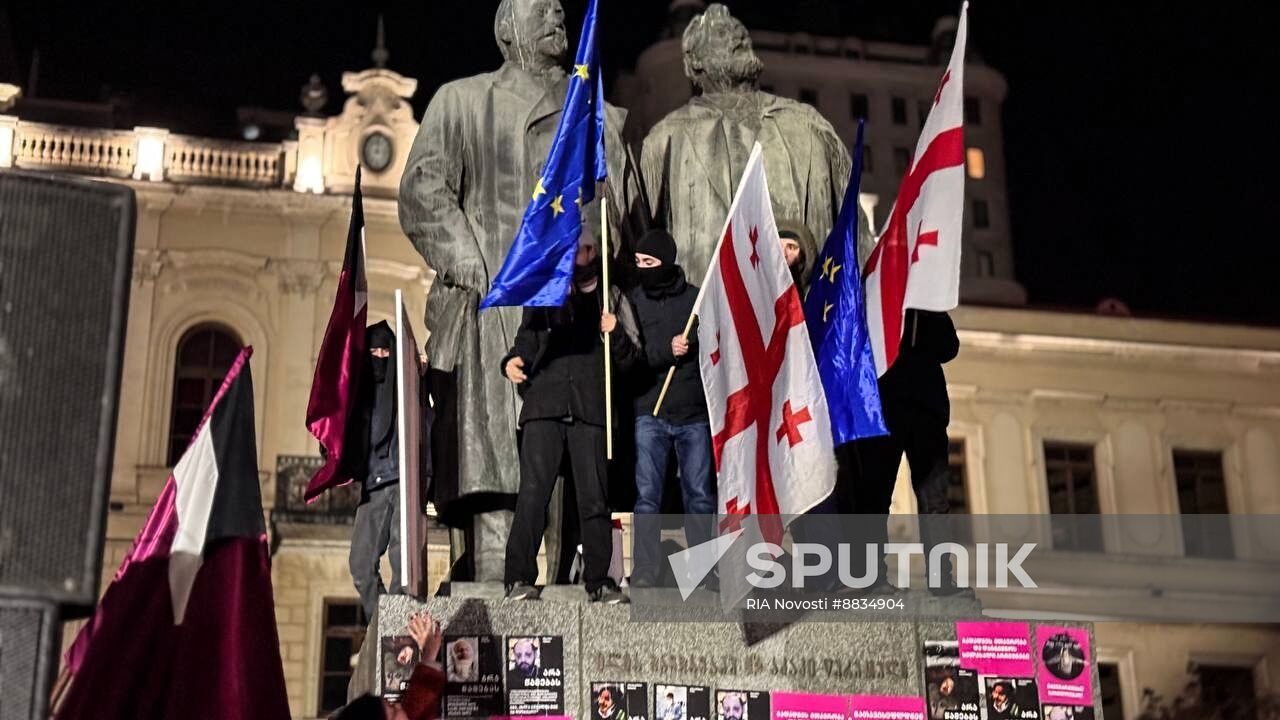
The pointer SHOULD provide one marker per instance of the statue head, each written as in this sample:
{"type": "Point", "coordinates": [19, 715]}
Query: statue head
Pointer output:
{"type": "Point", "coordinates": [717, 52]}
{"type": "Point", "coordinates": [531, 33]}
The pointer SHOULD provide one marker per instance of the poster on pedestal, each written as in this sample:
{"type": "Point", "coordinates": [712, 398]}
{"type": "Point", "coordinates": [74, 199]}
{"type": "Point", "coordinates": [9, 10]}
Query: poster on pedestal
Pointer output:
{"type": "Point", "coordinates": [1010, 699]}
{"type": "Point", "coordinates": [741, 704]}
{"type": "Point", "coordinates": [619, 701]}
{"type": "Point", "coordinates": [951, 691]}
{"type": "Point", "coordinates": [807, 706]}
{"type": "Point", "coordinates": [886, 707]}
{"type": "Point", "coordinates": [1063, 670]}
{"type": "Point", "coordinates": [681, 702]}
{"type": "Point", "coordinates": [399, 658]}
{"type": "Point", "coordinates": [996, 648]}
{"type": "Point", "coordinates": [535, 675]}
{"type": "Point", "coordinates": [473, 676]}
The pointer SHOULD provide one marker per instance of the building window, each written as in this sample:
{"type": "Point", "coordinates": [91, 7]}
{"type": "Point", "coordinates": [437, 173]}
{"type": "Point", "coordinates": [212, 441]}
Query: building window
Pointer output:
{"type": "Point", "coordinates": [981, 215]}
{"type": "Point", "coordinates": [1229, 691]}
{"type": "Point", "coordinates": [204, 356]}
{"type": "Point", "coordinates": [901, 160]}
{"type": "Point", "coordinates": [924, 106]}
{"type": "Point", "coordinates": [972, 111]}
{"type": "Point", "coordinates": [809, 96]}
{"type": "Point", "coordinates": [867, 165]}
{"type": "Point", "coordinates": [986, 263]}
{"type": "Point", "coordinates": [1110, 690]}
{"type": "Point", "coordinates": [976, 163]}
{"type": "Point", "coordinates": [344, 628]}
{"type": "Point", "coordinates": [1202, 499]}
{"type": "Point", "coordinates": [899, 111]}
{"type": "Point", "coordinates": [1071, 475]}
{"type": "Point", "coordinates": [859, 106]}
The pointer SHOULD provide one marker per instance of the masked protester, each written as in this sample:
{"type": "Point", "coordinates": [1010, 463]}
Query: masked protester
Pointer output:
{"type": "Point", "coordinates": [557, 362]}
{"type": "Point", "coordinates": [799, 250]}
{"type": "Point", "coordinates": [374, 441]}
{"type": "Point", "coordinates": [663, 300]}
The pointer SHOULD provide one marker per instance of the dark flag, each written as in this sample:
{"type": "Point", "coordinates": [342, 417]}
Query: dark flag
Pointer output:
{"type": "Point", "coordinates": [336, 382]}
{"type": "Point", "coordinates": [187, 627]}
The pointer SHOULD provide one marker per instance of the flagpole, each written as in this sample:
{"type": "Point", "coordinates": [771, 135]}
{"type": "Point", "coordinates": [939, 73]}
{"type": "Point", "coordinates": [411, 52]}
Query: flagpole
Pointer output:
{"type": "Point", "coordinates": [608, 360]}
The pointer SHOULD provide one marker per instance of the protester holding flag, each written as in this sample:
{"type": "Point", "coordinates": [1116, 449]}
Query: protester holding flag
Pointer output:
{"type": "Point", "coordinates": [663, 300]}
{"type": "Point", "coordinates": [557, 363]}
{"type": "Point", "coordinates": [913, 278]}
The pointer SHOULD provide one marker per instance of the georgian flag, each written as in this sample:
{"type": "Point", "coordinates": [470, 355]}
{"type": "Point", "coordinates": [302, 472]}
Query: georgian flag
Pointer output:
{"type": "Point", "coordinates": [771, 433]}
{"type": "Point", "coordinates": [916, 263]}
{"type": "Point", "coordinates": [187, 627]}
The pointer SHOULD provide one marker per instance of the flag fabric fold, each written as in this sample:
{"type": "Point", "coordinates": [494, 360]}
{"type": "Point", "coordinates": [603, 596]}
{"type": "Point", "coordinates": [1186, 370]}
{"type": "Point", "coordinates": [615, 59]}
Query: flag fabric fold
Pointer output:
{"type": "Point", "coordinates": [539, 266]}
{"type": "Point", "coordinates": [837, 324]}
{"type": "Point", "coordinates": [336, 382]}
{"type": "Point", "coordinates": [916, 263]}
{"type": "Point", "coordinates": [771, 433]}
{"type": "Point", "coordinates": [187, 626]}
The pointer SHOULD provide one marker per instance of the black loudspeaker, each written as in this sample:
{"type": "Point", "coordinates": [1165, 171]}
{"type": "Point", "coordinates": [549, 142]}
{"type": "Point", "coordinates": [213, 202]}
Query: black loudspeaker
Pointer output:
{"type": "Point", "coordinates": [66, 259]}
{"type": "Point", "coordinates": [29, 638]}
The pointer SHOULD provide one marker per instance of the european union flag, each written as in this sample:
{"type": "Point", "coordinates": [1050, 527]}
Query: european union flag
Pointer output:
{"type": "Point", "coordinates": [539, 266]}
{"type": "Point", "coordinates": [835, 313]}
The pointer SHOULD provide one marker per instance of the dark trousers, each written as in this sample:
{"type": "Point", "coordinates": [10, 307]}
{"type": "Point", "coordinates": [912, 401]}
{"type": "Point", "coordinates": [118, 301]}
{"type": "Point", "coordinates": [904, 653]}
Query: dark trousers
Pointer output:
{"type": "Point", "coordinates": [542, 447]}
{"type": "Point", "coordinates": [868, 471]}
{"type": "Point", "coordinates": [655, 439]}
{"type": "Point", "coordinates": [376, 532]}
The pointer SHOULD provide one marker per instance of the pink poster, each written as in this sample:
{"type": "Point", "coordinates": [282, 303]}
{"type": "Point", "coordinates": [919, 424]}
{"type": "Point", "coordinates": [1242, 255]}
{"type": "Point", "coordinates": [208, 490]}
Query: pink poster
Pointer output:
{"type": "Point", "coordinates": [996, 648]}
{"type": "Point", "coordinates": [803, 706]}
{"type": "Point", "coordinates": [886, 707]}
{"type": "Point", "coordinates": [1063, 666]}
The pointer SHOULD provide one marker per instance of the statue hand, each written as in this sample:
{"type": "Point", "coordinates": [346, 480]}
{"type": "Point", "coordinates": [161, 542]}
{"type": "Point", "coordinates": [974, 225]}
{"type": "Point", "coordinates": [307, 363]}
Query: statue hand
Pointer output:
{"type": "Point", "coordinates": [471, 276]}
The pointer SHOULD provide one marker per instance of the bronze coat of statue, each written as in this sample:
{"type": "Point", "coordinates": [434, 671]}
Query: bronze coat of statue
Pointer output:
{"type": "Point", "coordinates": [693, 158]}
{"type": "Point", "coordinates": [470, 174]}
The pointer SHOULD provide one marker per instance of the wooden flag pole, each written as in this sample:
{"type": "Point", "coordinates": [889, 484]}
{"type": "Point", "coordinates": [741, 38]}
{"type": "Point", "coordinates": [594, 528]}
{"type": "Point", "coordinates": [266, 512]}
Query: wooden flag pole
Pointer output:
{"type": "Point", "coordinates": [608, 354]}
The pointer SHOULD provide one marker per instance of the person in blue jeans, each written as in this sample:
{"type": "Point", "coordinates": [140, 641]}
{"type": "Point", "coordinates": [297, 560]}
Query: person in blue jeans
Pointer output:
{"type": "Point", "coordinates": [662, 300]}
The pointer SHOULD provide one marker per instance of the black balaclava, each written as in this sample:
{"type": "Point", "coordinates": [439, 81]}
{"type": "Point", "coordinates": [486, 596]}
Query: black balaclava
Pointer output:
{"type": "Point", "coordinates": [667, 276]}
{"type": "Point", "coordinates": [384, 382]}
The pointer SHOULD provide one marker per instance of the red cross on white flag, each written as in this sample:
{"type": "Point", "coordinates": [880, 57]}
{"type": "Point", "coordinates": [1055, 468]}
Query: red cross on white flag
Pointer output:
{"type": "Point", "coordinates": [770, 429]}
{"type": "Point", "coordinates": [916, 263]}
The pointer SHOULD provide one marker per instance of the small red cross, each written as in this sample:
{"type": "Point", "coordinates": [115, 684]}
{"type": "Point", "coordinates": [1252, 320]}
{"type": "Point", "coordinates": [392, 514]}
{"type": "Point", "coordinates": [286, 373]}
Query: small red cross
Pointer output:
{"type": "Point", "coordinates": [791, 422]}
{"type": "Point", "coordinates": [733, 516]}
{"type": "Point", "coordinates": [923, 238]}
{"type": "Point", "coordinates": [946, 78]}
{"type": "Point", "coordinates": [755, 256]}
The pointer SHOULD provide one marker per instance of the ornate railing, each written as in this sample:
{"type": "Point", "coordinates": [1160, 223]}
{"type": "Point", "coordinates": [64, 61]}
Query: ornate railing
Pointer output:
{"type": "Point", "coordinates": [293, 472]}
{"type": "Point", "coordinates": [201, 159]}
{"type": "Point", "coordinates": [100, 152]}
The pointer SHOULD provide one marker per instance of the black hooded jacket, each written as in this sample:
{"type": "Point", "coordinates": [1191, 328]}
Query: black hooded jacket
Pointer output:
{"type": "Point", "coordinates": [915, 381]}
{"type": "Point", "coordinates": [662, 314]}
{"type": "Point", "coordinates": [372, 455]}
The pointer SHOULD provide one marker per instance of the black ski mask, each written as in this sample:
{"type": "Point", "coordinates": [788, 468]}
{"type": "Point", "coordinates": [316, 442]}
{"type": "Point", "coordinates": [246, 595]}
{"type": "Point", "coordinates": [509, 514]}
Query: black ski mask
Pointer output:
{"type": "Point", "coordinates": [666, 277]}
{"type": "Point", "coordinates": [384, 385]}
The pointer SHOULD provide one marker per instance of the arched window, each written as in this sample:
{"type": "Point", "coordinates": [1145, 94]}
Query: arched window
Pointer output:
{"type": "Point", "coordinates": [205, 354]}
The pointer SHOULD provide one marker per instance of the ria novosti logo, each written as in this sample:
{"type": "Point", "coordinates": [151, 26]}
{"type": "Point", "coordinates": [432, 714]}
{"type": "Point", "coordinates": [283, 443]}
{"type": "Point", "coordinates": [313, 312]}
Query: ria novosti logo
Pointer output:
{"type": "Point", "coordinates": [985, 565]}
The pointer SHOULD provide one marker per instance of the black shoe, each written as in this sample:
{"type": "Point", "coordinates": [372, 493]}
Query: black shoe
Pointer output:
{"type": "Point", "coordinates": [609, 595]}
{"type": "Point", "coordinates": [523, 591]}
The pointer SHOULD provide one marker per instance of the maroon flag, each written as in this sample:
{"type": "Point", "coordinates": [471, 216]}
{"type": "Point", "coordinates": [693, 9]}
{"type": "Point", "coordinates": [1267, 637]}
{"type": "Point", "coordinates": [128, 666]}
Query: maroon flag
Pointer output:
{"type": "Point", "coordinates": [336, 382]}
{"type": "Point", "coordinates": [187, 628]}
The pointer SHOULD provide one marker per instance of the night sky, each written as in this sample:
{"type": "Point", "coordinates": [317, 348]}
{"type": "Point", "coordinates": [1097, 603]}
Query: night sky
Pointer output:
{"type": "Point", "coordinates": [1140, 140]}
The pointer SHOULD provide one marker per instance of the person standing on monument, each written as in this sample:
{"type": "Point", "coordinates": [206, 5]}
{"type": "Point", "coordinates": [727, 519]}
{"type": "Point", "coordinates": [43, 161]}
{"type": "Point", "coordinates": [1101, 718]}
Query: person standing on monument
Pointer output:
{"type": "Point", "coordinates": [374, 446]}
{"type": "Point", "coordinates": [663, 300]}
{"type": "Point", "coordinates": [557, 362]}
{"type": "Point", "coordinates": [468, 177]}
{"type": "Point", "coordinates": [692, 159]}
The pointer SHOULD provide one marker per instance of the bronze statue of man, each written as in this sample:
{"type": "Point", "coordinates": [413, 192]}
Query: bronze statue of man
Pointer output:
{"type": "Point", "coordinates": [693, 158]}
{"type": "Point", "coordinates": [471, 172]}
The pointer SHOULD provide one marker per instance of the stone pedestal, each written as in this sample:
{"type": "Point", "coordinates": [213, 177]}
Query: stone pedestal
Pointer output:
{"type": "Point", "coordinates": [606, 643]}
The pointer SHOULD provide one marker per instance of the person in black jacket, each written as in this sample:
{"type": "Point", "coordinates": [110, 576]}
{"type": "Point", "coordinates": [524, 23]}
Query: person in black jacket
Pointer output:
{"type": "Point", "coordinates": [913, 393]}
{"type": "Point", "coordinates": [558, 364]}
{"type": "Point", "coordinates": [373, 445]}
{"type": "Point", "coordinates": [663, 300]}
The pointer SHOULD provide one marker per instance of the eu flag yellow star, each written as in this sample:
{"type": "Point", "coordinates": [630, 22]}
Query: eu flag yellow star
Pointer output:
{"type": "Point", "coordinates": [539, 189]}
{"type": "Point", "coordinates": [826, 309]}
{"type": "Point", "coordinates": [578, 202]}
{"type": "Point", "coordinates": [556, 206]}
{"type": "Point", "coordinates": [830, 270]}
{"type": "Point", "coordinates": [581, 71]}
